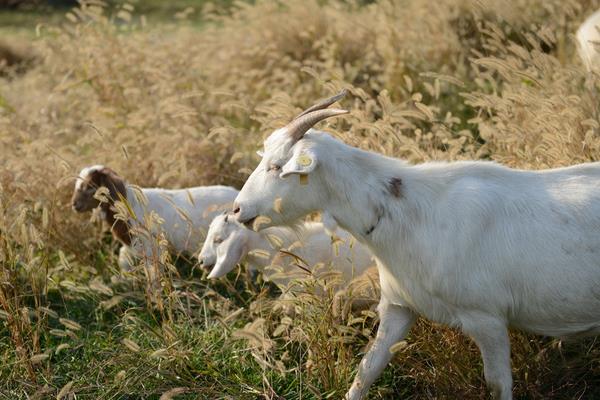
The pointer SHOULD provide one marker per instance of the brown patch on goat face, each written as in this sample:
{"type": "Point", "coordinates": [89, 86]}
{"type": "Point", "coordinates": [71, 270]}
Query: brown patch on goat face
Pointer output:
{"type": "Point", "coordinates": [114, 183]}
{"type": "Point", "coordinates": [83, 199]}
{"type": "Point", "coordinates": [395, 187]}
{"type": "Point", "coordinates": [83, 196]}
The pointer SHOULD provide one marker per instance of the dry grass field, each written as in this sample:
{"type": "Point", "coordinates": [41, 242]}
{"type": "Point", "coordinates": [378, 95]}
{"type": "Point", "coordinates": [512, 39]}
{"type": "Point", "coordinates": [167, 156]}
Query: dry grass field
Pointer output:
{"type": "Point", "coordinates": [187, 101]}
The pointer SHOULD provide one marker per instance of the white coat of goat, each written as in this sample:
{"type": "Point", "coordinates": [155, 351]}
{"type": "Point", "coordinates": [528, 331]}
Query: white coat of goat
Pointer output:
{"type": "Point", "coordinates": [228, 243]}
{"type": "Point", "coordinates": [588, 38]}
{"type": "Point", "coordinates": [474, 245]}
{"type": "Point", "coordinates": [185, 213]}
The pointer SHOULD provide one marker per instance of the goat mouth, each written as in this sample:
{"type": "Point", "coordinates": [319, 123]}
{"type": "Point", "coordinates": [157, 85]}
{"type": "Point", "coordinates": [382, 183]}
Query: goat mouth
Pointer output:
{"type": "Point", "coordinates": [207, 267]}
{"type": "Point", "coordinates": [249, 223]}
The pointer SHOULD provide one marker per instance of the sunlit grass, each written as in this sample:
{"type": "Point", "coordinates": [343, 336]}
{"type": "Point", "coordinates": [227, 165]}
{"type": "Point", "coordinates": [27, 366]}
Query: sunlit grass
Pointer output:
{"type": "Point", "coordinates": [176, 104]}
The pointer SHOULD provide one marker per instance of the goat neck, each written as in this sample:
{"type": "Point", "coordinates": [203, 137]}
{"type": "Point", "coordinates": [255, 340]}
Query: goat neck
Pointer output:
{"type": "Point", "coordinates": [119, 228]}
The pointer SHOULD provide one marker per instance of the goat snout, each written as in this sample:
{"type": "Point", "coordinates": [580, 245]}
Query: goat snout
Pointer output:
{"type": "Point", "coordinates": [243, 215]}
{"type": "Point", "coordinates": [204, 264]}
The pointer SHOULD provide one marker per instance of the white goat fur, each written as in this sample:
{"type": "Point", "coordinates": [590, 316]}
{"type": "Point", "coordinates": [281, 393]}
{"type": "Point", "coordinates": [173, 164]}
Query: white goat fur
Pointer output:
{"type": "Point", "coordinates": [228, 243]}
{"type": "Point", "coordinates": [588, 38]}
{"type": "Point", "coordinates": [185, 213]}
{"type": "Point", "coordinates": [474, 245]}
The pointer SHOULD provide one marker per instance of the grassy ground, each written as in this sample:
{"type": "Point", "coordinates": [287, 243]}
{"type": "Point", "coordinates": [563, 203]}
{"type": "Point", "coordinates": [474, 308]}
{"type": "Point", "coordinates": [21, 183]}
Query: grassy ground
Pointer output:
{"type": "Point", "coordinates": [172, 103]}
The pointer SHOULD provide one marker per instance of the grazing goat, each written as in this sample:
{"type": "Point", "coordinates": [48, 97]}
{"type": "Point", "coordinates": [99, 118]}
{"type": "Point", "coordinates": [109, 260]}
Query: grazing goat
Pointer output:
{"type": "Point", "coordinates": [588, 38]}
{"type": "Point", "coordinates": [185, 213]}
{"type": "Point", "coordinates": [473, 245]}
{"type": "Point", "coordinates": [228, 243]}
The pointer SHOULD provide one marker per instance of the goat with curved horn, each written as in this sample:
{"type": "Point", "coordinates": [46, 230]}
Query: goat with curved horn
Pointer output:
{"type": "Point", "coordinates": [481, 278]}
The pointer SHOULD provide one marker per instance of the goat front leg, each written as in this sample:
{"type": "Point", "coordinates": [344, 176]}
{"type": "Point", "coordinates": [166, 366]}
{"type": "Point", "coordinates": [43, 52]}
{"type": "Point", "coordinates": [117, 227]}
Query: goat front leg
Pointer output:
{"type": "Point", "coordinates": [149, 253]}
{"type": "Point", "coordinates": [491, 336]}
{"type": "Point", "coordinates": [126, 258]}
{"type": "Point", "coordinates": [153, 267]}
{"type": "Point", "coordinates": [395, 322]}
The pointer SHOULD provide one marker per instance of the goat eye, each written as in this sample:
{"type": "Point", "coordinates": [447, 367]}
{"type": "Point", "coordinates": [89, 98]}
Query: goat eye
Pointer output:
{"type": "Point", "coordinates": [217, 240]}
{"type": "Point", "coordinates": [274, 167]}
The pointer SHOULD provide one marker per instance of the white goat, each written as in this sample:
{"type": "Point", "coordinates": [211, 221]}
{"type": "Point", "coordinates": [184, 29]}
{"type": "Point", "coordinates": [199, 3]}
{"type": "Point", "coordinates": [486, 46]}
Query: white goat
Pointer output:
{"type": "Point", "coordinates": [588, 38]}
{"type": "Point", "coordinates": [185, 213]}
{"type": "Point", "coordinates": [228, 243]}
{"type": "Point", "coordinates": [474, 245]}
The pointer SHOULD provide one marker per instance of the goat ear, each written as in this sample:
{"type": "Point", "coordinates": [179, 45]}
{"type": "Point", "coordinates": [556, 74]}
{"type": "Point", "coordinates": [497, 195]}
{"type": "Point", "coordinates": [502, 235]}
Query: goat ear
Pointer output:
{"type": "Point", "coordinates": [302, 163]}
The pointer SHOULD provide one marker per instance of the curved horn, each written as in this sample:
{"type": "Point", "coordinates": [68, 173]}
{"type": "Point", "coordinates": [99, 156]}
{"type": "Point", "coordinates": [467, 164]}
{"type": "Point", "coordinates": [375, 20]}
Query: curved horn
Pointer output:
{"type": "Point", "coordinates": [298, 127]}
{"type": "Point", "coordinates": [323, 103]}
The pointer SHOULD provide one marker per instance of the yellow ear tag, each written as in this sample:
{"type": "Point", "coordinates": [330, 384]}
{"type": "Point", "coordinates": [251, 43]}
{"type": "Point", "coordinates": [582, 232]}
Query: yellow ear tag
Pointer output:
{"type": "Point", "coordinates": [304, 160]}
{"type": "Point", "coordinates": [303, 179]}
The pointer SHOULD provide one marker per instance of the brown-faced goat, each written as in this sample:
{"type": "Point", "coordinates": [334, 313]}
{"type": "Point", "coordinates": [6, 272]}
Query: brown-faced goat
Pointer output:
{"type": "Point", "coordinates": [184, 214]}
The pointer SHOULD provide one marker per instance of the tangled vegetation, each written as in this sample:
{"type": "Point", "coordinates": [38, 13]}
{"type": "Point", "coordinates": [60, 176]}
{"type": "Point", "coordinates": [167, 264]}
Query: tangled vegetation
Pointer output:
{"type": "Point", "coordinates": [185, 104]}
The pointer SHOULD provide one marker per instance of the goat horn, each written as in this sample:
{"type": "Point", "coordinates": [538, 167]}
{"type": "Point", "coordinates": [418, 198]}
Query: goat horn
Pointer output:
{"type": "Point", "coordinates": [324, 103]}
{"type": "Point", "coordinates": [298, 127]}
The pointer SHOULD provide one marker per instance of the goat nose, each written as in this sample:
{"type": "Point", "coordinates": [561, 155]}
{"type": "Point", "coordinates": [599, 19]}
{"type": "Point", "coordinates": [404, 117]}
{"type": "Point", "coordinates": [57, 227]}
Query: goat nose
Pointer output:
{"type": "Point", "coordinates": [236, 208]}
{"type": "Point", "coordinates": [201, 262]}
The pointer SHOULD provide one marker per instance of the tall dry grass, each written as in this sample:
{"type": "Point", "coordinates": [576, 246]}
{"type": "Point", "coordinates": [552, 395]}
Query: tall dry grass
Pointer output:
{"type": "Point", "coordinates": [175, 106]}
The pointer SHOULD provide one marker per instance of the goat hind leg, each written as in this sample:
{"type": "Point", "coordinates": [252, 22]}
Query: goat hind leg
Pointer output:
{"type": "Point", "coordinates": [491, 336]}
